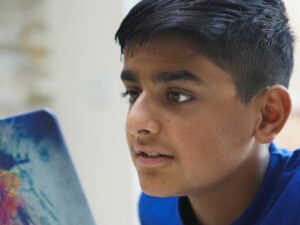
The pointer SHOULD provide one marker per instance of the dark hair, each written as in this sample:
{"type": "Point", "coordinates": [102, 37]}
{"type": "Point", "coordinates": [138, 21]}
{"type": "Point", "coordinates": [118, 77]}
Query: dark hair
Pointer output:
{"type": "Point", "coordinates": [250, 39]}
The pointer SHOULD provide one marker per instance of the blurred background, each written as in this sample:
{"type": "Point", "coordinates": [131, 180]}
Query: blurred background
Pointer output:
{"type": "Point", "coordinates": [62, 54]}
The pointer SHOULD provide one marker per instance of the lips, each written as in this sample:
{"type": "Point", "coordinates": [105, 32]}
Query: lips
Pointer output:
{"type": "Point", "coordinates": [151, 156]}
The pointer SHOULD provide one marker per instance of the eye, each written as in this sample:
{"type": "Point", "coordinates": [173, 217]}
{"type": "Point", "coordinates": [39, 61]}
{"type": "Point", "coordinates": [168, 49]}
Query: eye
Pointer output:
{"type": "Point", "coordinates": [132, 95]}
{"type": "Point", "coordinates": [177, 96]}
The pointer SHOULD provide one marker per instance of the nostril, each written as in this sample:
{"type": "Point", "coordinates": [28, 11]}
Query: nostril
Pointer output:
{"type": "Point", "coordinates": [143, 131]}
{"type": "Point", "coordinates": [142, 125]}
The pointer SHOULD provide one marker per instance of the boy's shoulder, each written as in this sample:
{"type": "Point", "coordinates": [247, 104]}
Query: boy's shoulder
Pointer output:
{"type": "Point", "coordinates": [278, 201]}
{"type": "Point", "coordinates": [283, 163]}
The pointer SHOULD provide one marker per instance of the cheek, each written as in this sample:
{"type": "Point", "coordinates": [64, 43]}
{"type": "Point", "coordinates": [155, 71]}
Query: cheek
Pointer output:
{"type": "Point", "coordinates": [198, 144]}
{"type": "Point", "coordinates": [199, 158]}
{"type": "Point", "coordinates": [202, 134]}
{"type": "Point", "coordinates": [211, 146]}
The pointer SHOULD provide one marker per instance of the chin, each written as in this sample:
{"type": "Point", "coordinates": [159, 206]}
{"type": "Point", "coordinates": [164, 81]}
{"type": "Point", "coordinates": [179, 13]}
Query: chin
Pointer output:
{"type": "Point", "coordinates": [156, 193]}
{"type": "Point", "coordinates": [158, 189]}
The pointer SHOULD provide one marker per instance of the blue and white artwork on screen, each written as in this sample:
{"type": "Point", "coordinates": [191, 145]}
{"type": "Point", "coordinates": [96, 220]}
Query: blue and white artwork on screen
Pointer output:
{"type": "Point", "coordinates": [38, 182]}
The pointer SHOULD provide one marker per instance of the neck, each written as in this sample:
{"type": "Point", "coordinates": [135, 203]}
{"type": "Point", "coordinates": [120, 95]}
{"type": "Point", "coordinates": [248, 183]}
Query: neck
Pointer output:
{"type": "Point", "coordinates": [225, 202]}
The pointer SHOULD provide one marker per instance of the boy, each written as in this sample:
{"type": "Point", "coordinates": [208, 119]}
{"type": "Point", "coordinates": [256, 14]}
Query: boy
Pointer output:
{"type": "Point", "coordinates": [206, 82]}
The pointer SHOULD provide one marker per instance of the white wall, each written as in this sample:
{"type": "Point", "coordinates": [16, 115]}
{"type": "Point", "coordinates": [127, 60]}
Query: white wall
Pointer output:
{"type": "Point", "coordinates": [85, 64]}
{"type": "Point", "coordinates": [127, 5]}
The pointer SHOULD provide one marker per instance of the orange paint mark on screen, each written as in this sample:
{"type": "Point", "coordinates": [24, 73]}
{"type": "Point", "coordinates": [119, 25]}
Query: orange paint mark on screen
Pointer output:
{"type": "Point", "coordinates": [9, 184]}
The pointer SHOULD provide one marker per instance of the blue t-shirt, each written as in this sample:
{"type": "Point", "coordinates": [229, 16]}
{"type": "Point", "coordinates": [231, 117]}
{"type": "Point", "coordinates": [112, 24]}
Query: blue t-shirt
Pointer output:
{"type": "Point", "coordinates": [276, 203]}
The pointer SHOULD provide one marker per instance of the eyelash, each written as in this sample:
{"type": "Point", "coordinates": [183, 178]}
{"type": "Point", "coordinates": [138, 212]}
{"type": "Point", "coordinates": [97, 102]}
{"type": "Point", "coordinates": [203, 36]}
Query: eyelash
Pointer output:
{"type": "Point", "coordinates": [132, 95]}
{"type": "Point", "coordinates": [128, 94]}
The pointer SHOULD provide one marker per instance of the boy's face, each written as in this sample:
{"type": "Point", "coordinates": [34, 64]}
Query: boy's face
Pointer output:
{"type": "Point", "coordinates": [187, 129]}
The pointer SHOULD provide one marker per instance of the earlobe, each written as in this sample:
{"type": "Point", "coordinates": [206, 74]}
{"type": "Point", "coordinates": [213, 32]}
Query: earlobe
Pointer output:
{"type": "Point", "coordinates": [275, 110]}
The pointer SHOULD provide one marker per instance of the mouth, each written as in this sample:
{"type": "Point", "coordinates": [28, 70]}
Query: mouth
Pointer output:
{"type": "Point", "coordinates": [152, 154]}
{"type": "Point", "coordinates": [152, 159]}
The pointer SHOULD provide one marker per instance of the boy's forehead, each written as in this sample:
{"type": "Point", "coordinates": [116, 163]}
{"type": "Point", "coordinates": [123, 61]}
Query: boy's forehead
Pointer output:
{"type": "Point", "coordinates": [178, 46]}
{"type": "Point", "coordinates": [166, 60]}
{"type": "Point", "coordinates": [161, 55]}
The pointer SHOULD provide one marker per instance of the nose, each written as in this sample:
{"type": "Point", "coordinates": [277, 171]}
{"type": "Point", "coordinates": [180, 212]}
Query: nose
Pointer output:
{"type": "Point", "coordinates": [142, 119]}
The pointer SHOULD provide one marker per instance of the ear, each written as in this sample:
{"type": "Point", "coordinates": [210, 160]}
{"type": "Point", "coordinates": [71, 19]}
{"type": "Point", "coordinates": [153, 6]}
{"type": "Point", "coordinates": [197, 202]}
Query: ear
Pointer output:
{"type": "Point", "coordinates": [275, 105]}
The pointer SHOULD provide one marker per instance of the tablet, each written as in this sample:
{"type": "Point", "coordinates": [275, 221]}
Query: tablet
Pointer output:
{"type": "Point", "coordinates": [38, 181]}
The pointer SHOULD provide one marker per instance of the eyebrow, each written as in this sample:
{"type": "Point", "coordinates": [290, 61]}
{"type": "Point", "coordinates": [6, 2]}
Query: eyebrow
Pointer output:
{"type": "Point", "coordinates": [163, 77]}
{"type": "Point", "coordinates": [127, 75]}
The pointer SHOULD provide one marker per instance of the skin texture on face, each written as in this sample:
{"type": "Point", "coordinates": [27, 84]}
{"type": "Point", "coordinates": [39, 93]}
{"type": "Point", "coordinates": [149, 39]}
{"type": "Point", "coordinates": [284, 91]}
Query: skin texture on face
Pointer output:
{"type": "Point", "coordinates": [201, 123]}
